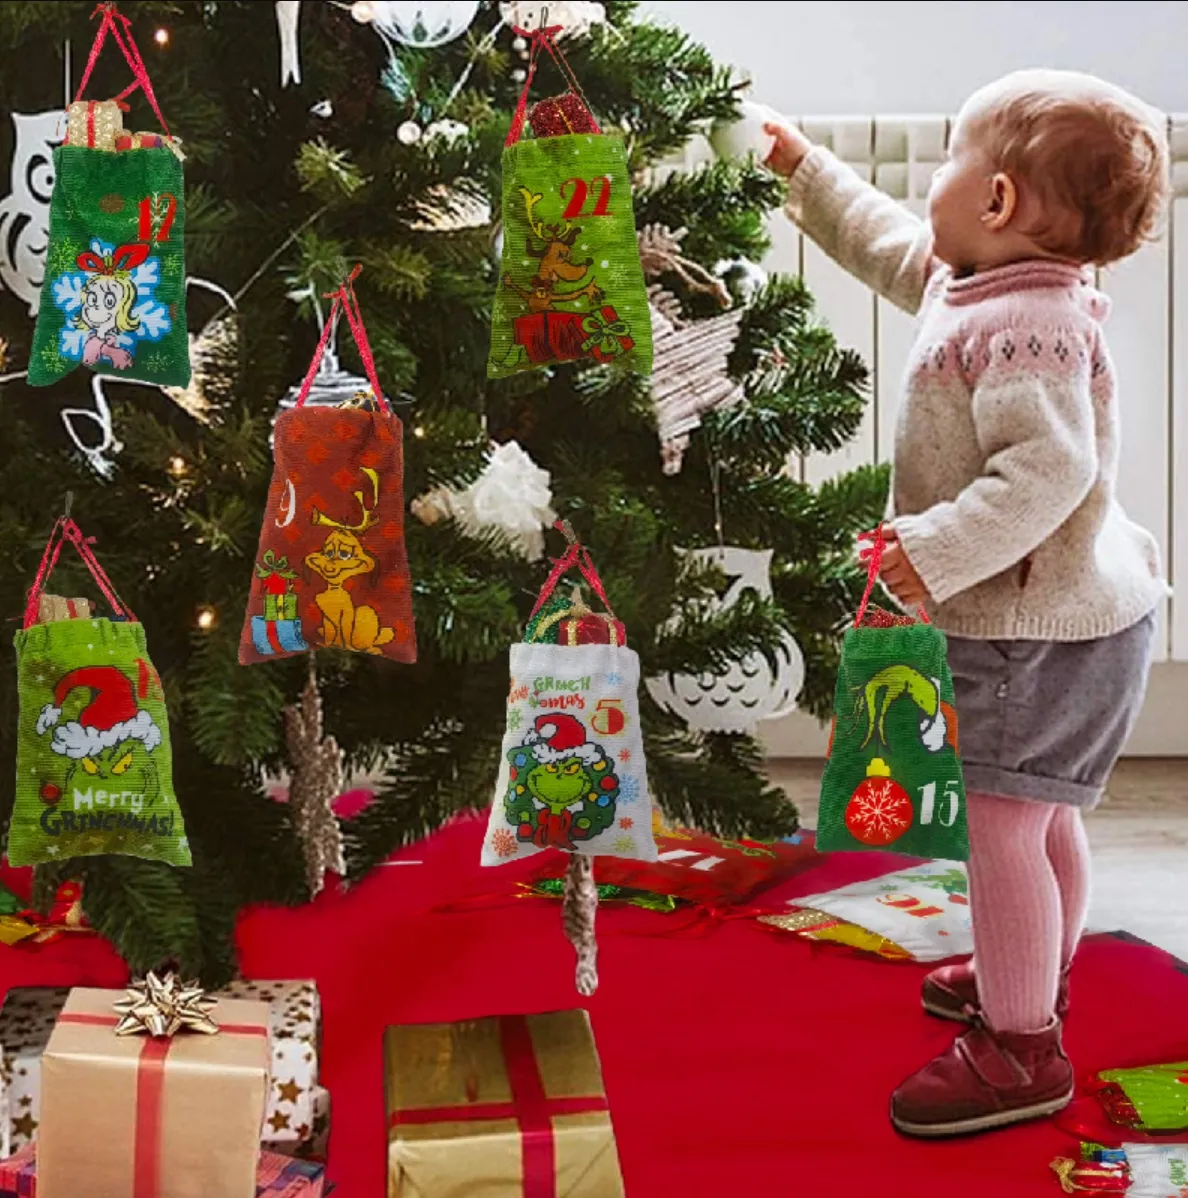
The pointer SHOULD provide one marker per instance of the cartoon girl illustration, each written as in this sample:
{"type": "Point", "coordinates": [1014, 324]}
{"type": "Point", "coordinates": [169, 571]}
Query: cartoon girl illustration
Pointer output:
{"type": "Point", "coordinates": [107, 299]}
{"type": "Point", "coordinates": [109, 304]}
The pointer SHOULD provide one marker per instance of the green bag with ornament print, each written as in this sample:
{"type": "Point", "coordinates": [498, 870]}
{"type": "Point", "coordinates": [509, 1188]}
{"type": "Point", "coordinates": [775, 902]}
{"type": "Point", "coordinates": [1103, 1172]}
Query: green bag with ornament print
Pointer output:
{"type": "Point", "coordinates": [114, 292]}
{"type": "Point", "coordinates": [571, 285]}
{"type": "Point", "coordinates": [94, 768]}
{"type": "Point", "coordinates": [893, 777]}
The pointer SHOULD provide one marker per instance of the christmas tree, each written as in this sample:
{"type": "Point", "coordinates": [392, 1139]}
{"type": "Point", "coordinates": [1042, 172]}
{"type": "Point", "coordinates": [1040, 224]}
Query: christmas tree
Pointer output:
{"type": "Point", "coordinates": [387, 153]}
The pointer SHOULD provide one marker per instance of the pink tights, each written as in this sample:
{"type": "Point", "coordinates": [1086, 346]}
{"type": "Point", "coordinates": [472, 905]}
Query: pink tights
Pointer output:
{"type": "Point", "coordinates": [1029, 893]}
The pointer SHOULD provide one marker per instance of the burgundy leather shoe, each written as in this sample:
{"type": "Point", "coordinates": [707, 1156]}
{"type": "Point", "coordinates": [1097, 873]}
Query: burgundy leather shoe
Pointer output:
{"type": "Point", "coordinates": [951, 992]}
{"type": "Point", "coordinates": [986, 1079]}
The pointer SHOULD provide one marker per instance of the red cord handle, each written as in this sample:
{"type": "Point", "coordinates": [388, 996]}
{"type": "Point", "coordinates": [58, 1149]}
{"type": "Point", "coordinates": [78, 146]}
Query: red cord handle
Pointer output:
{"type": "Point", "coordinates": [872, 556]}
{"type": "Point", "coordinates": [345, 299]}
{"type": "Point", "coordinates": [576, 555]}
{"type": "Point", "coordinates": [131, 55]}
{"type": "Point", "coordinates": [543, 37]}
{"type": "Point", "coordinates": [66, 530]}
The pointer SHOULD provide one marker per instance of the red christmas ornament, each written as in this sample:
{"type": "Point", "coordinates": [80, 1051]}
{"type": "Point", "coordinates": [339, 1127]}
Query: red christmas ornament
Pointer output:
{"type": "Point", "coordinates": [880, 810]}
{"type": "Point", "coordinates": [50, 793]}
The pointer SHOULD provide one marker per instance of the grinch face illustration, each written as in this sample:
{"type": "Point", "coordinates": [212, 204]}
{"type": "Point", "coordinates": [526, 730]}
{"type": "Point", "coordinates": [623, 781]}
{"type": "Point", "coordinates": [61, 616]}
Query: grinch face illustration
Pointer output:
{"type": "Point", "coordinates": [109, 745]}
{"type": "Point", "coordinates": [562, 788]}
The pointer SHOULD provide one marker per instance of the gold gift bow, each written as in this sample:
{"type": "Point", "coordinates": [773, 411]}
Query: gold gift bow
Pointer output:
{"type": "Point", "coordinates": [164, 1006]}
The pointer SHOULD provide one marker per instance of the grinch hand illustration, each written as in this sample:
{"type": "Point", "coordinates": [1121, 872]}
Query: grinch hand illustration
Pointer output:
{"type": "Point", "coordinates": [109, 745]}
{"type": "Point", "coordinates": [562, 787]}
{"type": "Point", "coordinates": [109, 304]}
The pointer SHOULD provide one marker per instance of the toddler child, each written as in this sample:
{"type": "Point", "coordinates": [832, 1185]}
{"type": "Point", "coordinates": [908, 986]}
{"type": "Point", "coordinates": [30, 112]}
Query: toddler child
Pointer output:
{"type": "Point", "coordinates": [1004, 523]}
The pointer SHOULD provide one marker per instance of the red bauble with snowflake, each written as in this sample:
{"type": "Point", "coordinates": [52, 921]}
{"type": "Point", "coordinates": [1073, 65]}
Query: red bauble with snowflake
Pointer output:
{"type": "Point", "coordinates": [880, 810]}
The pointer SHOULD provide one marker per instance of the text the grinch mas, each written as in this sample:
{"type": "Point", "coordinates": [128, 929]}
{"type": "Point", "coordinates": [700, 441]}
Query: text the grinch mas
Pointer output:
{"type": "Point", "coordinates": [94, 770]}
{"type": "Point", "coordinates": [332, 571]}
{"type": "Point", "coordinates": [114, 291]}
{"type": "Point", "coordinates": [571, 285]}
{"type": "Point", "coordinates": [893, 778]}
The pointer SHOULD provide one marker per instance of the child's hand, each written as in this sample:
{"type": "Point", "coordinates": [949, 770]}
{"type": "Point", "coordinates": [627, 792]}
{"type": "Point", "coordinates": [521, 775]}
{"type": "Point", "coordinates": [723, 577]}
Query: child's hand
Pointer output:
{"type": "Point", "coordinates": [899, 575]}
{"type": "Point", "coordinates": [789, 150]}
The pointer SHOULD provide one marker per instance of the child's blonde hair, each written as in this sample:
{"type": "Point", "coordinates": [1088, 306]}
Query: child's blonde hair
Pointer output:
{"type": "Point", "coordinates": [125, 320]}
{"type": "Point", "coordinates": [1094, 155]}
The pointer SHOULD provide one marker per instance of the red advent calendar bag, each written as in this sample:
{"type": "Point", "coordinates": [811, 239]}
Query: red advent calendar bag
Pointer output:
{"type": "Point", "coordinates": [331, 571]}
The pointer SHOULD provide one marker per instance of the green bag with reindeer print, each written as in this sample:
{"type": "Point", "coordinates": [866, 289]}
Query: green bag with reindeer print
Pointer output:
{"type": "Point", "coordinates": [893, 776]}
{"type": "Point", "coordinates": [571, 286]}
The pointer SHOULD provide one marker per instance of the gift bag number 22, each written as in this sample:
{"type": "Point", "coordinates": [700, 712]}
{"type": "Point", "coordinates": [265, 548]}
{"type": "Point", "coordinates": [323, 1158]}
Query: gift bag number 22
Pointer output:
{"type": "Point", "coordinates": [571, 285]}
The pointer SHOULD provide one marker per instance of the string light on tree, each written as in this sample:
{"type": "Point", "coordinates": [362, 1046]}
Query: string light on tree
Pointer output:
{"type": "Point", "coordinates": [178, 466]}
{"type": "Point", "coordinates": [206, 618]}
{"type": "Point", "coordinates": [161, 37]}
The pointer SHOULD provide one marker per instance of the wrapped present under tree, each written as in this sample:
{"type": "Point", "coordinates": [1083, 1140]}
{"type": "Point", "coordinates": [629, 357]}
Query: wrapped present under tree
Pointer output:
{"type": "Point", "coordinates": [509, 1107]}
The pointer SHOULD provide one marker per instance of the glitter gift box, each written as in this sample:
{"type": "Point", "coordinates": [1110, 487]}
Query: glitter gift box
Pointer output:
{"type": "Point", "coordinates": [296, 1025]}
{"type": "Point", "coordinates": [94, 123]}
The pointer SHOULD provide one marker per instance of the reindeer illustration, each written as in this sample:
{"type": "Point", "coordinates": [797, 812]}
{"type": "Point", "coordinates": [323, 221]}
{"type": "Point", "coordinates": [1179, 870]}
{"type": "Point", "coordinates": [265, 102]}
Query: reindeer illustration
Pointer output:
{"type": "Point", "coordinates": [341, 557]}
{"type": "Point", "coordinates": [556, 263]}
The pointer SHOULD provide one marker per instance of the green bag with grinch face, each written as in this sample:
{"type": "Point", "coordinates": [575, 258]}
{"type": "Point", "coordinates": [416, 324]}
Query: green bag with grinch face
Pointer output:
{"type": "Point", "coordinates": [94, 770]}
{"type": "Point", "coordinates": [893, 778]}
{"type": "Point", "coordinates": [571, 286]}
{"type": "Point", "coordinates": [114, 292]}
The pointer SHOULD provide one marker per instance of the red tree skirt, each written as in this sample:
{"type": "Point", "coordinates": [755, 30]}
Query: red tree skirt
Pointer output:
{"type": "Point", "coordinates": [741, 1061]}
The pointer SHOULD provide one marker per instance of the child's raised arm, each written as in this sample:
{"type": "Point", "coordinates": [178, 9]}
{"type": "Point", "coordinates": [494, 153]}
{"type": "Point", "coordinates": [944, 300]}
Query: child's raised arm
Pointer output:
{"type": "Point", "coordinates": [863, 230]}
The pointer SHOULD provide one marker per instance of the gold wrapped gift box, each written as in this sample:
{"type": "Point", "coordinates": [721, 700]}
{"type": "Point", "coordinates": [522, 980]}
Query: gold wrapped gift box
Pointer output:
{"type": "Point", "coordinates": [94, 123]}
{"type": "Point", "coordinates": [507, 1107]}
{"type": "Point", "coordinates": [179, 1116]}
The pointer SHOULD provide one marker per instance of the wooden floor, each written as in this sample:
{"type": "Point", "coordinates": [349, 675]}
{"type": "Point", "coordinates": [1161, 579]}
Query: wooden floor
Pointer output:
{"type": "Point", "coordinates": [1139, 838]}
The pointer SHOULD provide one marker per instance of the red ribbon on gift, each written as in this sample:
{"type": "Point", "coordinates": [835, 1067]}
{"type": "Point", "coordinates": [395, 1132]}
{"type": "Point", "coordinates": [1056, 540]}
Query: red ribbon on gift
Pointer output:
{"type": "Point", "coordinates": [150, 1085]}
{"type": "Point", "coordinates": [530, 1106]}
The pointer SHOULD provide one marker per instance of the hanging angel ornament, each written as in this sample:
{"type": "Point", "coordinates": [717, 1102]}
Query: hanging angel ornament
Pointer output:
{"type": "Point", "coordinates": [747, 691]}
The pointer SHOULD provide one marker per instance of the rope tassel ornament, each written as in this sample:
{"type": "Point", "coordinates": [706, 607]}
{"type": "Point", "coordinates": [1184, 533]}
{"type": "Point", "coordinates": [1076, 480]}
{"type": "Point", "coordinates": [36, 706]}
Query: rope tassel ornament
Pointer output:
{"type": "Point", "coordinates": [578, 911]}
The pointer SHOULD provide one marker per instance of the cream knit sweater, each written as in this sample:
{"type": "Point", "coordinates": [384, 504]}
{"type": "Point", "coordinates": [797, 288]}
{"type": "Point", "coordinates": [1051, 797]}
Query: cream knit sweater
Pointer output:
{"type": "Point", "coordinates": [1006, 445]}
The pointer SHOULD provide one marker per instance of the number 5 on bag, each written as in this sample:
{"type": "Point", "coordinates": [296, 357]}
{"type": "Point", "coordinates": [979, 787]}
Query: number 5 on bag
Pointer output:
{"type": "Point", "coordinates": [893, 779]}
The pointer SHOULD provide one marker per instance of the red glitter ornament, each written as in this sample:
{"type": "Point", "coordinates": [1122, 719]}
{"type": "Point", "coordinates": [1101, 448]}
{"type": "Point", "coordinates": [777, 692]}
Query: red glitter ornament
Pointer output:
{"type": "Point", "coordinates": [560, 115]}
{"type": "Point", "coordinates": [880, 810]}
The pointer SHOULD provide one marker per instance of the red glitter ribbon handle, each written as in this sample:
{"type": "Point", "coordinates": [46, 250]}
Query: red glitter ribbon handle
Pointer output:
{"type": "Point", "coordinates": [872, 557]}
{"type": "Point", "coordinates": [66, 530]}
{"type": "Point", "coordinates": [543, 37]}
{"type": "Point", "coordinates": [576, 555]}
{"type": "Point", "coordinates": [131, 55]}
{"type": "Point", "coordinates": [345, 299]}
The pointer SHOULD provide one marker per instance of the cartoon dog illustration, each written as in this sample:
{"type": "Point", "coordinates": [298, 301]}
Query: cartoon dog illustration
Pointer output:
{"type": "Point", "coordinates": [342, 557]}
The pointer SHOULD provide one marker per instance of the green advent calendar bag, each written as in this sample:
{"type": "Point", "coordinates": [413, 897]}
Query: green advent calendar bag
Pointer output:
{"type": "Point", "coordinates": [572, 774]}
{"type": "Point", "coordinates": [571, 285]}
{"type": "Point", "coordinates": [94, 769]}
{"type": "Point", "coordinates": [114, 291]}
{"type": "Point", "coordinates": [893, 779]}
{"type": "Point", "coordinates": [331, 571]}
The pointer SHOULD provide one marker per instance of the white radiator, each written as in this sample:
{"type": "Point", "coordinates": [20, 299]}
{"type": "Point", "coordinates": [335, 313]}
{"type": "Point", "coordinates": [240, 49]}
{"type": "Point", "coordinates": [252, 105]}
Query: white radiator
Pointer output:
{"type": "Point", "coordinates": [1147, 331]}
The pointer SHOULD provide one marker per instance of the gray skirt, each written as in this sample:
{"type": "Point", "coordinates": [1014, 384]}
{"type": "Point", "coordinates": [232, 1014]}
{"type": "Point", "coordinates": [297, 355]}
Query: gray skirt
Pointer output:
{"type": "Point", "coordinates": [1047, 719]}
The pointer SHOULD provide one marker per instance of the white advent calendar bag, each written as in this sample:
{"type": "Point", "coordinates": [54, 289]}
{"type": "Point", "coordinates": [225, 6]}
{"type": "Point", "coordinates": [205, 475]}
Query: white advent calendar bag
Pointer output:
{"type": "Point", "coordinates": [572, 774]}
{"type": "Point", "coordinates": [925, 910]}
